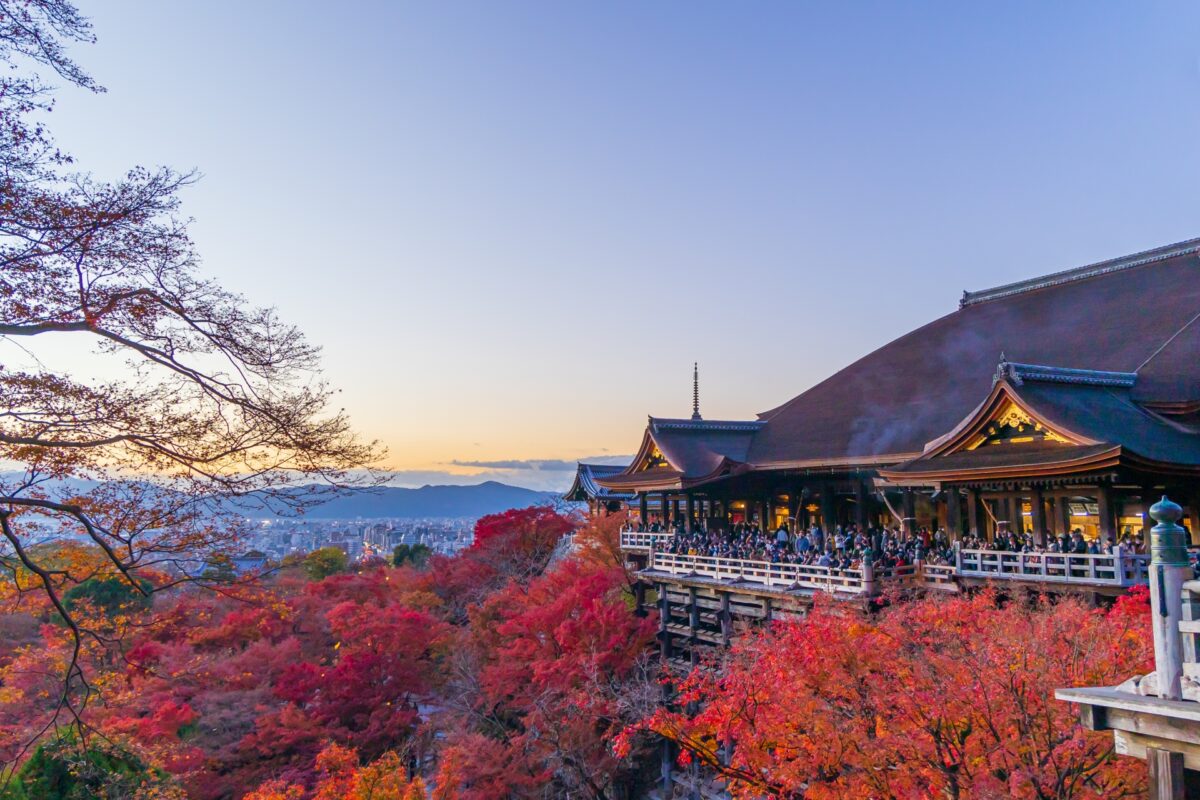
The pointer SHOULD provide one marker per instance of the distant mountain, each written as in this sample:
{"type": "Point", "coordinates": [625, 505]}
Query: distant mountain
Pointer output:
{"type": "Point", "coordinates": [476, 500]}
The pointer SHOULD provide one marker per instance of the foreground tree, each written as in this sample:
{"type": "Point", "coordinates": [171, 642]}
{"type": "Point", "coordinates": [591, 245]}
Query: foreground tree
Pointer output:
{"type": "Point", "coordinates": [935, 698]}
{"type": "Point", "coordinates": [552, 670]}
{"type": "Point", "coordinates": [192, 398]}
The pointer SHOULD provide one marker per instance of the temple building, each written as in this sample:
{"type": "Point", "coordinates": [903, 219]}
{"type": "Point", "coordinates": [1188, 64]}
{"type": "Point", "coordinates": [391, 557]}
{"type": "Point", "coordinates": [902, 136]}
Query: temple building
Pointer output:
{"type": "Point", "coordinates": [1069, 401]}
{"type": "Point", "coordinates": [600, 499]}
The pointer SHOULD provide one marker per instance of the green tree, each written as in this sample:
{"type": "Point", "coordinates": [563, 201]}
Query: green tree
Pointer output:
{"type": "Point", "coordinates": [61, 769]}
{"type": "Point", "coordinates": [111, 595]}
{"type": "Point", "coordinates": [320, 564]}
{"type": "Point", "coordinates": [416, 555]}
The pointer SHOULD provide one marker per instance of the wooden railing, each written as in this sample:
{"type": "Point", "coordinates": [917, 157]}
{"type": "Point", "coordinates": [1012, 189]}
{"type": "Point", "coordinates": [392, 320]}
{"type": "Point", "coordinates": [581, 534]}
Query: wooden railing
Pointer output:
{"type": "Point", "coordinates": [799, 576]}
{"type": "Point", "coordinates": [638, 540]}
{"type": "Point", "coordinates": [939, 576]}
{"type": "Point", "coordinates": [1116, 569]}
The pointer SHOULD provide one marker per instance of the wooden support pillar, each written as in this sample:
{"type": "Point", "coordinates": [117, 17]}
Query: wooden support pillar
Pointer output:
{"type": "Point", "coordinates": [828, 509]}
{"type": "Point", "coordinates": [1104, 506]}
{"type": "Point", "coordinates": [693, 625]}
{"type": "Point", "coordinates": [953, 513]}
{"type": "Point", "coordinates": [639, 596]}
{"type": "Point", "coordinates": [1012, 506]}
{"type": "Point", "coordinates": [973, 512]}
{"type": "Point", "coordinates": [1166, 774]}
{"type": "Point", "coordinates": [861, 505]}
{"type": "Point", "coordinates": [690, 520]}
{"type": "Point", "coordinates": [764, 514]}
{"type": "Point", "coordinates": [664, 619]}
{"type": "Point", "coordinates": [1038, 504]}
{"type": "Point", "coordinates": [1063, 512]}
{"type": "Point", "coordinates": [642, 509]}
{"type": "Point", "coordinates": [726, 620]}
{"type": "Point", "coordinates": [909, 512]}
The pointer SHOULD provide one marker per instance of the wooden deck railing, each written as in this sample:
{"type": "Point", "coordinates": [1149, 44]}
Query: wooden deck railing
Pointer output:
{"type": "Point", "coordinates": [638, 540]}
{"type": "Point", "coordinates": [799, 576]}
{"type": "Point", "coordinates": [1116, 569]}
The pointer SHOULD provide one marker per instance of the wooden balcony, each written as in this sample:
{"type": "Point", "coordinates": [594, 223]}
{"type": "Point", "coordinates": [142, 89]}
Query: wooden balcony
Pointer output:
{"type": "Point", "coordinates": [973, 567]}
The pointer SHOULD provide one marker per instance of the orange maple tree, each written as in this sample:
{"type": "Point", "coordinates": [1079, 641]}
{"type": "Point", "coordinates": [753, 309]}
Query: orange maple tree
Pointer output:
{"type": "Point", "coordinates": [942, 697]}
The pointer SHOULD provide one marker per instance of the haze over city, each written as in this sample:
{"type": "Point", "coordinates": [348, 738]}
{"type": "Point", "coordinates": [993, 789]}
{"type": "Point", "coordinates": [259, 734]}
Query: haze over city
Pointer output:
{"type": "Point", "coordinates": [512, 227]}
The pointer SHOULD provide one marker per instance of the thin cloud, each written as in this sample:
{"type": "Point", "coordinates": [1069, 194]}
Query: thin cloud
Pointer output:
{"type": "Point", "coordinates": [538, 464]}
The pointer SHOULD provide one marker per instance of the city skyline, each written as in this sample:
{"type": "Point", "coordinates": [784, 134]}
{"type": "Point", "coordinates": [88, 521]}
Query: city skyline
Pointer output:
{"type": "Point", "coordinates": [492, 219]}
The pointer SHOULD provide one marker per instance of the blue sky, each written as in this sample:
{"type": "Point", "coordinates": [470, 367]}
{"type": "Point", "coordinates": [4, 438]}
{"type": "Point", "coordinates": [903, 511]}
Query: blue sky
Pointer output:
{"type": "Point", "coordinates": [513, 226]}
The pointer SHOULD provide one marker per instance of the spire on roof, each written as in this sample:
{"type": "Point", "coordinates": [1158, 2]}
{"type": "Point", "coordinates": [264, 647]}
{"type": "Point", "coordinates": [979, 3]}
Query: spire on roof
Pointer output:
{"type": "Point", "coordinates": [696, 390]}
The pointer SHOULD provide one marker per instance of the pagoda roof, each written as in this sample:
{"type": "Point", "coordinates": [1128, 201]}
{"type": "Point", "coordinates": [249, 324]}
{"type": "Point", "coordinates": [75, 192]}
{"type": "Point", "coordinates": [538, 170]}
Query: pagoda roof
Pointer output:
{"type": "Point", "coordinates": [677, 453]}
{"type": "Point", "coordinates": [585, 486]}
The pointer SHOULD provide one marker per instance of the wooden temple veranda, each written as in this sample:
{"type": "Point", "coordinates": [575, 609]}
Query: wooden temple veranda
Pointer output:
{"type": "Point", "coordinates": [1065, 402]}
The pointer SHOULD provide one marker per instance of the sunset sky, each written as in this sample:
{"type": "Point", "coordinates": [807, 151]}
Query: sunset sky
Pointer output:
{"type": "Point", "coordinates": [513, 226]}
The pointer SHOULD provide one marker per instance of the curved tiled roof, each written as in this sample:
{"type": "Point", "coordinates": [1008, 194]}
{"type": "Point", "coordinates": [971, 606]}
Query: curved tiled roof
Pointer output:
{"type": "Point", "coordinates": [1130, 315]}
{"type": "Point", "coordinates": [585, 486]}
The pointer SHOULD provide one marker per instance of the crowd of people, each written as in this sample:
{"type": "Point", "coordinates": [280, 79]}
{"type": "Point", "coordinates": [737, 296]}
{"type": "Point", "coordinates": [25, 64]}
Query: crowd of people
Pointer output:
{"type": "Point", "coordinates": [846, 547]}
{"type": "Point", "coordinates": [1074, 543]}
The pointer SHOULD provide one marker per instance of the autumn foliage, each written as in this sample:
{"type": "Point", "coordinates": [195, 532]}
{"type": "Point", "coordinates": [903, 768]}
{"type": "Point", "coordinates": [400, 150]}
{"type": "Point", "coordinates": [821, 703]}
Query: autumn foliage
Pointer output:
{"type": "Point", "coordinates": [943, 697]}
{"type": "Point", "coordinates": [492, 673]}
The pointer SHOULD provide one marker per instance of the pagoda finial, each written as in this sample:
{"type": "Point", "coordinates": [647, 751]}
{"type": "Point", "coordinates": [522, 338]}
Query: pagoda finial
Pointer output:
{"type": "Point", "coordinates": [696, 390]}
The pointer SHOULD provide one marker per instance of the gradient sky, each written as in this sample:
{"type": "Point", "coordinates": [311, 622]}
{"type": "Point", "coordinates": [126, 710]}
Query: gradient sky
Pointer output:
{"type": "Point", "coordinates": [514, 225]}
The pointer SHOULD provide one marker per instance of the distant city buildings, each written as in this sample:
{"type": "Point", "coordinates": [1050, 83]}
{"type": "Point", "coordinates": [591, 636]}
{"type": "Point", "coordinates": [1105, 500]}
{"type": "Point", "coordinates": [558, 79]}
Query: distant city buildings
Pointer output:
{"type": "Point", "coordinates": [360, 538]}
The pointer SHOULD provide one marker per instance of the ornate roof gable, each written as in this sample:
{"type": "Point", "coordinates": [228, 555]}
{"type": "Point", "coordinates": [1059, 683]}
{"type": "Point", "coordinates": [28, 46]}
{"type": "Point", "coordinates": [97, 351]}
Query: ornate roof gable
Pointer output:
{"type": "Point", "coordinates": [1005, 419]}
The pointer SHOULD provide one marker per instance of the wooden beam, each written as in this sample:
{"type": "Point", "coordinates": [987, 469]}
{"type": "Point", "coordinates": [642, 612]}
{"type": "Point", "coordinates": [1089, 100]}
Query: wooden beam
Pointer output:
{"type": "Point", "coordinates": [1166, 774]}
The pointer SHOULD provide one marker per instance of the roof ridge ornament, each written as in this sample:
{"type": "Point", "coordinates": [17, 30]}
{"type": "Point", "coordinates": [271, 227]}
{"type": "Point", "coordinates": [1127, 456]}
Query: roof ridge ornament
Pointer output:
{"type": "Point", "coordinates": [696, 391]}
{"type": "Point", "coordinates": [1006, 372]}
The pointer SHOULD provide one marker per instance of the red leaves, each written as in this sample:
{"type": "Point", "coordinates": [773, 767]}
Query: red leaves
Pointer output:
{"type": "Point", "coordinates": [558, 658]}
{"type": "Point", "coordinates": [939, 697]}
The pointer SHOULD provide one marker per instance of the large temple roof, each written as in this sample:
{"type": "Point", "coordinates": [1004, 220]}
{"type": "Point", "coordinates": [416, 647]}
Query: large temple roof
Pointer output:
{"type": "Point", "coordinates": [1121, 339]}
{"type": "Point", "coordinates": [1136, 314]}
